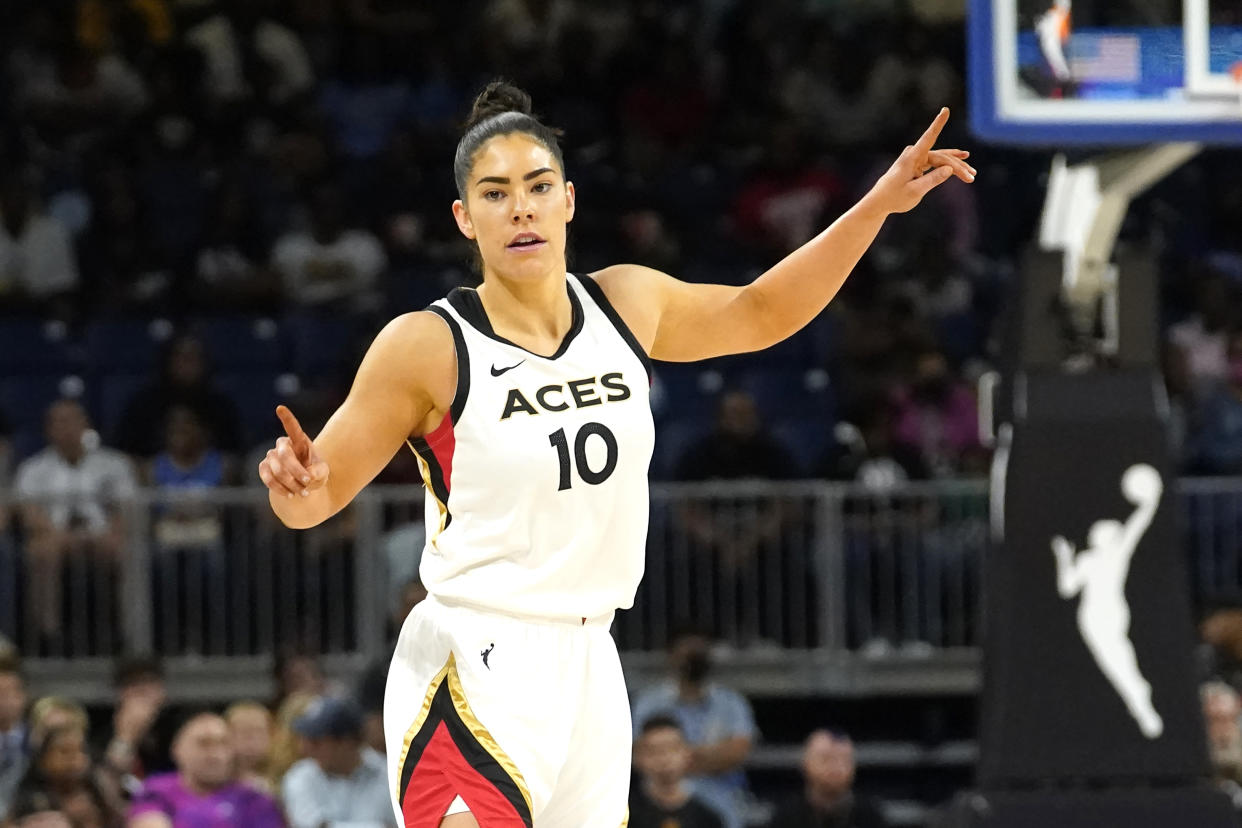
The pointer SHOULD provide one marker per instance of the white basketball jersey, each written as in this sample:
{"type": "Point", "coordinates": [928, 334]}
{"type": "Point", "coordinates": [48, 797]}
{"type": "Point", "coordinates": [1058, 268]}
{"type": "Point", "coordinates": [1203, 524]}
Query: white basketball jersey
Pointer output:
{"type": "Point", "coordinates": [537, 478]}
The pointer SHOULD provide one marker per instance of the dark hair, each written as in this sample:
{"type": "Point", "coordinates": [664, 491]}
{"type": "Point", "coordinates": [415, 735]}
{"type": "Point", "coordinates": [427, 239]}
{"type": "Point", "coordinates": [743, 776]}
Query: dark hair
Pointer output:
{"type": "Point", "coordinates": [137, 670]}
{"type": "Point", "coordinates": [10, 664]}
{"type": "Point", "coordinates": [660, 721]}
{"type": "Point", "coordinates": [187, 715]}
{"type": "Point", "coordinates": [500, 109]}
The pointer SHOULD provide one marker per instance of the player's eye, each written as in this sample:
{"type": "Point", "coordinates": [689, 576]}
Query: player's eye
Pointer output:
{"type": "Point", "coordinates": [493, 195]}
{"type": "Point", "coordinates": [543, 187]}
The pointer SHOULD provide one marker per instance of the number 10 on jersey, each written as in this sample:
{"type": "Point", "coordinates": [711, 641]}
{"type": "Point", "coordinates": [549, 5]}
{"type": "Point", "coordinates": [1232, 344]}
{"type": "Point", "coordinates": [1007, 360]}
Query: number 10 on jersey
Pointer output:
{"type": "Point", "coordinates": [590, 476]}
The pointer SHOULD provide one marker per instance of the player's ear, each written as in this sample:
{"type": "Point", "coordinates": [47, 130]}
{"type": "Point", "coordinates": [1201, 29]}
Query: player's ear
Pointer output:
{"type": "Point", "coordinates": [462, 215]}
{"type": "Point", "coordinates": [571, 198]}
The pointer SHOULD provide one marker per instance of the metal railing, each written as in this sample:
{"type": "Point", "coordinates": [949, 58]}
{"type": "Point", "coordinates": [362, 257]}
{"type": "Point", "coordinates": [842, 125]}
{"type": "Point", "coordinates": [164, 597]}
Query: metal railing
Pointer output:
{"type": "Point", "coordinates": [764, 567]}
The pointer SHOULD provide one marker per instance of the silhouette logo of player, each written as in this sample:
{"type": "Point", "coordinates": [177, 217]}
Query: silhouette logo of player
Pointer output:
{"type": "Point", "coordinates": [1098, 573]}
{"type": "Point", "coordinates": [486, 653]}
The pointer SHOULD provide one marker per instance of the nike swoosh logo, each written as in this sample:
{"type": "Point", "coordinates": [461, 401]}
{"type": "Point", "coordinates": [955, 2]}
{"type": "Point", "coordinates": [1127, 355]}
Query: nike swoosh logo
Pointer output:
{"type": "Point", "coordinates": [498, 371]}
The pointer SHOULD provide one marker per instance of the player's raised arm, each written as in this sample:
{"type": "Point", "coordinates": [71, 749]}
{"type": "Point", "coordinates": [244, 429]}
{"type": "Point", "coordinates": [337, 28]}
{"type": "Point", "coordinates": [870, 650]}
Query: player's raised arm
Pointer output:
{"type": "Point", "coordinates": [682, 322]}
{"type": "Point", "coordinates": [403, 387]}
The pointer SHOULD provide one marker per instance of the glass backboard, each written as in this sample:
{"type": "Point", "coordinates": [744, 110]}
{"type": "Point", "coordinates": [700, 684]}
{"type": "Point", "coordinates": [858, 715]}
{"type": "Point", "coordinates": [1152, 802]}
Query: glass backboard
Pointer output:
{"type": "Point", "coordinates": [1065, 72]}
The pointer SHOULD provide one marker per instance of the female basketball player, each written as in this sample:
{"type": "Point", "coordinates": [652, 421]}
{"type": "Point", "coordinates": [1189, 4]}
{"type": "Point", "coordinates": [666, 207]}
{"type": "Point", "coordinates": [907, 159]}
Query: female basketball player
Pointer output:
{"type": "Point", "coordinates": [526, 403]}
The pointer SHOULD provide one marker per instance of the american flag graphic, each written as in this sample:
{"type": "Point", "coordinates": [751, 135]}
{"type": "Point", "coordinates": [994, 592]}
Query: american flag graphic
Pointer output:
{"type": "Point", "coordinates": [1106, 58]}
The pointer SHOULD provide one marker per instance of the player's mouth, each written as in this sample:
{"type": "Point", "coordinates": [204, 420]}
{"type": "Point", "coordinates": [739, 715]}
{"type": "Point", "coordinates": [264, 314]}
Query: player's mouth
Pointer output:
{"type": "Point", "coordinates": [526, 243]}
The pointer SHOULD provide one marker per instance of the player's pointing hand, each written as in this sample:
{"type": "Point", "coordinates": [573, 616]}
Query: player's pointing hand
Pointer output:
{"type": "Point", "coordinates": [293, 467]}
{"type": "Point", "coordinates": [920, 169]}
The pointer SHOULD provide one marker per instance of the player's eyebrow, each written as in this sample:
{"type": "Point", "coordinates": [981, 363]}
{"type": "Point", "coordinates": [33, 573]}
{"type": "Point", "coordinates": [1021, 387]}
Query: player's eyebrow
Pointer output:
{"type": "Point", "coordinates": [500, 179]}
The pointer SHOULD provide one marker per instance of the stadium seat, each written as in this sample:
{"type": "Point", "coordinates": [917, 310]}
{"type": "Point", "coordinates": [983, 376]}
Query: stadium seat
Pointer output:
{"type": "Point", "coordinates": [806, 439]}
{"type": "Point", "coordinates": [242, 343]}
{"type": "Point", "coordinates": [109, 395]}
{"type": "Point", "coordinates": [318, 342]}
{"type": "Point", "coordinates": [682, 390]}
{"type": "Point", "coordinates": [673, 439]}
{"type": "Point", "coordinates": [37, 346]}
{"type": "Point", "coordinates": [784, 393]}
{"type": "Point", "coordinates": [256, 395]}
{"type": "Point", "coordinates": [130, 345]}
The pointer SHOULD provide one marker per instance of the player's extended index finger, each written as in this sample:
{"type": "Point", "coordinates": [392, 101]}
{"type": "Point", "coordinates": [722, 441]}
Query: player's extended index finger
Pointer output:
{"type": "Point", "coordinates": [933, 132]}
{"type": "Point", "coordinates": [292, 427]}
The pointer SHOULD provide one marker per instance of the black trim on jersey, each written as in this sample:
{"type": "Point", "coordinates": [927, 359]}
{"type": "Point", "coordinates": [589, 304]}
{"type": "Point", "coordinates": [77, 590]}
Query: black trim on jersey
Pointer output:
{"type": "Point", "coordinates": [463, 364]}
{"type": "Point", "coordinates": [597, 295]}
{"type": "Point", "coordinates": [466, 301]}
{"type": "Point", "coordinates": [442, 710]}
{"type": "Point", "coordinates": [439, 485]}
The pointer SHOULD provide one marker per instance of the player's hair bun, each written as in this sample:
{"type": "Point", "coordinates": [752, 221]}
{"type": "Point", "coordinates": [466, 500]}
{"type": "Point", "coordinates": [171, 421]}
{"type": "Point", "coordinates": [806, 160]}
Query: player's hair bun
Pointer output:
{"type": "Point", "coordinates": [497, 98]}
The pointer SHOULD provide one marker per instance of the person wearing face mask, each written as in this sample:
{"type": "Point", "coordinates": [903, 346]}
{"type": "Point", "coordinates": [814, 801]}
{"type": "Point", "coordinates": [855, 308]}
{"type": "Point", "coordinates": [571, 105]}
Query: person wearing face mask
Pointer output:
{"type": "Point", "coordinates": [718, 724]}
{"type": "Point", "coordinates": [1216, 445]}
{"type": "Point", "coordinates": [937, 416]}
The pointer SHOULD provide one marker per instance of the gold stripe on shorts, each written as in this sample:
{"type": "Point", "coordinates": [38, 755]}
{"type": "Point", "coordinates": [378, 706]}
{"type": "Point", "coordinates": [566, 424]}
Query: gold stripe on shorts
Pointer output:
{"type": "Point", "coordinates": [480, 732]}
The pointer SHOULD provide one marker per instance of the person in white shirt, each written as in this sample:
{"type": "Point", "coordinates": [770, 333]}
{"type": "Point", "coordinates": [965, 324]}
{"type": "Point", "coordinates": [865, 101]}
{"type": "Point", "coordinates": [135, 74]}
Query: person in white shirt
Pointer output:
{"type": "Point", "coordinates": [69, 493]}
{"type": "Point", "coordinates": [328, 263]}
{"type": "Point", "coordinates": [342, 783]}
{"type": "Point", "coordinates": [36, 257]}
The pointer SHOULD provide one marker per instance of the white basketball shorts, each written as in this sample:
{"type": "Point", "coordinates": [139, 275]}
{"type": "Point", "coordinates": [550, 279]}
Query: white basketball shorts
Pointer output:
{"type": "Point", "coordinates": [525, 721]}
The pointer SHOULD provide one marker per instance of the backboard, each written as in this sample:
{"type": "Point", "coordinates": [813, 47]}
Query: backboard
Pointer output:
{"type": "Point", "coordinates": [1093, 72]}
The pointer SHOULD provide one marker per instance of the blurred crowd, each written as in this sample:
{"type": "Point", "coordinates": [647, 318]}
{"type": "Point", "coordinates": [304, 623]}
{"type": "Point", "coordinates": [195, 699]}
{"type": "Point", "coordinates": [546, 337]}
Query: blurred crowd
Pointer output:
{"type": "Point", "coordinates": [313, 755]}
{"type": "Point", "coordinates": [267, 159]}
{"type": "Point", "coordinates": [250, 188]}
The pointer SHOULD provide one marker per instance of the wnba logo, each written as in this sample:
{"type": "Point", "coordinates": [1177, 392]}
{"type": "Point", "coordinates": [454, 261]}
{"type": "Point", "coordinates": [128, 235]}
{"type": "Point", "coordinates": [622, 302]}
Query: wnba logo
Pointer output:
{"type": "Point", "coordinates": [1098, 574]}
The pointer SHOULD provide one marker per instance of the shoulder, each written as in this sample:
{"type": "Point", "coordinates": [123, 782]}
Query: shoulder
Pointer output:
{"type": "Point", "coordinates": [413, 344]}
{"type": "Point", "coordinates": [373, 760]}
{"type": "Point", "coordinates": [110, 459]}
{"type": "Point", "coordinates": [29, 470]}
{"type": "Point", "coordinates": [301, 772]}
{"type": "Point", "coordinates": [622, 281]}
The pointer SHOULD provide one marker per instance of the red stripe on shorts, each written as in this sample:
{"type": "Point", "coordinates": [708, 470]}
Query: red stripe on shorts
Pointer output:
{"type": "Point", "coordinates": [441, 775]}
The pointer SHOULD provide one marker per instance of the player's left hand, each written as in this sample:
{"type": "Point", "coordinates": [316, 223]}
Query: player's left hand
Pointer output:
{"type": "Point", "coordinates": [919, 170]}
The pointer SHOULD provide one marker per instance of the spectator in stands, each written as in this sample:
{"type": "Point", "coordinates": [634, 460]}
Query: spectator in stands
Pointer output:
{"type": "Point", "coordinates": [70, 494]}
{"type": "Point", "coordinates": [287, 746]}
{"type": "Point", "coordinates": [937, 416]}
{"type": "Point", "coordinates": [8, 553]}
{"type": "Point", "coordinates": [142, 723]}
{"type": "Point", "coordinates": [738, 447]}
{"type": "Point", "coordinates": [250, 724]}
{"type": "Point", "coordinates": [374, 681]}
{"type": "Point", "coordinates": [188, 530]}
{"type": "Point", "coordinates": [61, 778]}
{"type": "Point", "coordinates": [297, 671]}
{"type": "Point", "coordinates": [205, 788]}
{"type": "Point", "coordinates": [14, 734]}
{"type": "Point", "coordinates": [328, 264]}
{"type": "Point", "coordinates": [718, 723]}
{"type": "Point", "coordinates": [828, 798]}
{"type": "Point", "coordinates": [74, 97]}
{"type": "Point", "coordinates": [870, 455]}
{"type": "Point", "coordinates": [52, 712]}
{"type": "Point", "coordinates": [185, 380]}
{"type": "Point", "coordinates": [665, 798]}
{"type": "Point", "coordinates": [341, 780]}
{"type": "Point", "coordinates": [103, 25]}
{"type": "Point", "coordinates": [1202, 337]}
{"type": "Point", "coordinates": [231, 269]}
{"type": "Point", "coordinates": [1222, 712]}
{"type": "Point", "coordinates": [37, 266]}
{"type": "Point", "coordinates": [1216, 445]}
{"type": "Point", "coordinates": [791, 198]}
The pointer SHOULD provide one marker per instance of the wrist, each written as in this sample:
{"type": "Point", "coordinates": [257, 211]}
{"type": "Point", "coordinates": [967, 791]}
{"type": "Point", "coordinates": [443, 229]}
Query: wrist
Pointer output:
{"type": "Point", "coordinates": [872, 206]}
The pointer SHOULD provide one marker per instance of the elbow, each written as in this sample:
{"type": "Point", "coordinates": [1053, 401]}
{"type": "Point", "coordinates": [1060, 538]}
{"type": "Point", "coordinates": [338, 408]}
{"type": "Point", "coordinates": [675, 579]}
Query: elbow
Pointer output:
{"type": "Point", "coordinates": [295, 516]}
